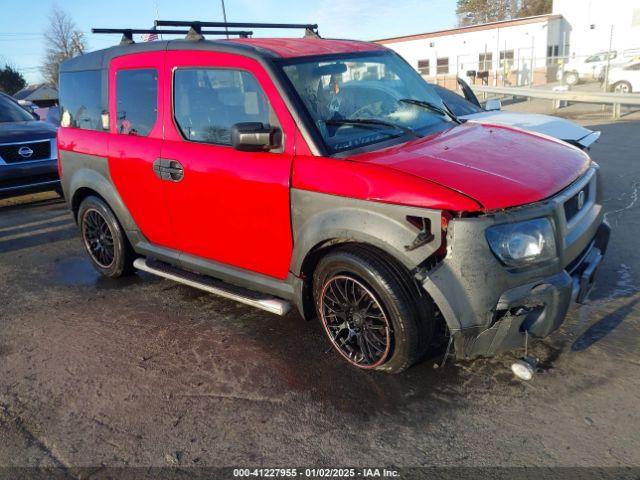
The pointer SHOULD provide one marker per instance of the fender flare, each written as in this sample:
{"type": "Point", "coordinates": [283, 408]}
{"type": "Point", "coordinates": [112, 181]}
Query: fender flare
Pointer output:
{"type": "Point", "coordinates": [321, 219]}
{"type": "Point", "coordinates": [94, 179]}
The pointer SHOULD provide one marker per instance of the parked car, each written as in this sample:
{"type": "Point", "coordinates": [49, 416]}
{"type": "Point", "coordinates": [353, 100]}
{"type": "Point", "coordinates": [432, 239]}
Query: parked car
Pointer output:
{"type": "Point", "coordinates": [584, 69]}
{"type": "Point", "coordinates": [247, 168]}
{"type": "Point", "coordinates": [28, 161]}
{"type": "Point", "coordinates": [469, 108]}
{"type": "Point", "coordinates": [594, 66]}
{"type": "Point", "coordinates": [625, 79]}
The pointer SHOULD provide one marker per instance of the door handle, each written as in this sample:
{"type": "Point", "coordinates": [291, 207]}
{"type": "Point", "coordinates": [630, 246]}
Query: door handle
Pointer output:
{"type": "Point", "coordinates": [167, 169]}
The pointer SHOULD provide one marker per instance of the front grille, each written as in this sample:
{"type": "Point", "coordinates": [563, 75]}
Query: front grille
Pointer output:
{"type": "Point", "coordinates": [26, 152]}
{"type": "Point", "coordinates": [575, 203]}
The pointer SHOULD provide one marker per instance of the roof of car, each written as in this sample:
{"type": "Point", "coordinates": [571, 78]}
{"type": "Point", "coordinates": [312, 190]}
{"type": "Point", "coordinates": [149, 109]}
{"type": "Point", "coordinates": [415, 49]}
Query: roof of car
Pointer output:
{"type": "Point", "coordinates": [304, 47]}
{"type": "Point", "coordinates": [257, 47]}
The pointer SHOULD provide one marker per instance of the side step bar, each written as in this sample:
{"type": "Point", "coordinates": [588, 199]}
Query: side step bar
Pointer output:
{"type": "Point", "coordinates": [212, 285]}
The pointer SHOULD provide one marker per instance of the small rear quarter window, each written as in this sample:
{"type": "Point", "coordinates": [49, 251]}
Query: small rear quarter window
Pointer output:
{"type": "Point", "coordinates": [137, 101]}
{"type": "Point", "coordinates": [81, 99]}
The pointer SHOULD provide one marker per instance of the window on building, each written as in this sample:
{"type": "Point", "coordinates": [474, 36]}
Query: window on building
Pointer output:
{"type": "Point", "coordinates": [423, 67]}
{"type": "Point", "coordinates": [137, 101]}
{"type": "Point", "coordinates": [553, 50]}
{"type": "Point", "coordinates": [485, 61]}
{"type": "Point", "coordinates": [208, 102]}
{"type": "Point", "coordinates": [506, 58]}
{"type": "Point", "coordinates": [443, 66]}
{"type": "Point", "coordinates": [81, 99]}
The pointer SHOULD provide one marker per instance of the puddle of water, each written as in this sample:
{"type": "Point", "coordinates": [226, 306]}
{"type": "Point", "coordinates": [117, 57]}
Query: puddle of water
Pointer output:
{"type": "Point", "coordinates": [75, 271]}
{"type": "Point", "coordinates": [78, 271]}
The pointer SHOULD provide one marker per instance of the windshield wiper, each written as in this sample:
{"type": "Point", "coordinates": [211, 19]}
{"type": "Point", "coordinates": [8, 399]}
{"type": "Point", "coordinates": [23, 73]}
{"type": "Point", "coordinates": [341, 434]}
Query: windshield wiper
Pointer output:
{"type": "Point", "coordinates": [446, 111]}
{"type": "Point", "coordinates": [372, 121]}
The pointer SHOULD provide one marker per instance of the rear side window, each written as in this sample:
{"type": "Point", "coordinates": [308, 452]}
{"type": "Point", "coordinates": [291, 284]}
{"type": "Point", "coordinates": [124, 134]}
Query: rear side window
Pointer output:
{"type": "Point", "coordinates": [137, 101]}
{"type": "Point", "coordinates": [81, 99]}
{"type": "Point", "coordinates": [208, 102]}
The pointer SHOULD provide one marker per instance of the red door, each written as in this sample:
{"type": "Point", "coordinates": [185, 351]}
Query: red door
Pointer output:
{"type": "Point", "coordinates": [135, 111]}
{"type": "Point", "coordinates": [228, 206]}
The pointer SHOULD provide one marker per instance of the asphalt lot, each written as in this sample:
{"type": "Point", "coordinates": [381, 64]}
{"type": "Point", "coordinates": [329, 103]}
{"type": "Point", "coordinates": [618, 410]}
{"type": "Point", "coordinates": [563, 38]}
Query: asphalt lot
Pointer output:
{"type": "Point", "coordinates": [145, 372]}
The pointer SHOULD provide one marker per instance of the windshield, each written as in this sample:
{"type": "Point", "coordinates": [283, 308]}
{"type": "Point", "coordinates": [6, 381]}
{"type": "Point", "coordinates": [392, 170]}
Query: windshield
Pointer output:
{"type": "Point", "coordinates": [10, 111]}
{"type": "Point", "coordinates": [342, 92]}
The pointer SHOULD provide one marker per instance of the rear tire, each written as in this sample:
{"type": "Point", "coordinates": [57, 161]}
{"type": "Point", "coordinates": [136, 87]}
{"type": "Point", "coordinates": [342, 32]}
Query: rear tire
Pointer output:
{"type": "Point", "coordinates": [104, 239]}
{"type": "Point", "coordinates": [391, 328]}
{"type": "Point", "coordinates": [622, 87]}
{"type": "Point", "coordinates": [571, 78]}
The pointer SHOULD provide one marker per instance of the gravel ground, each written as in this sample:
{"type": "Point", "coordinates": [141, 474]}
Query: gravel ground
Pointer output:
{"type": "Point", "coordinates": [145, 372]}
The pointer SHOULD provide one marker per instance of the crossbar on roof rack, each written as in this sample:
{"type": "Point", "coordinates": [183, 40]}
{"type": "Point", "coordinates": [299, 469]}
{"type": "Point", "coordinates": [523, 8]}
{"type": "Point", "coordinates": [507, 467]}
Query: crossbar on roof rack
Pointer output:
{"type": "Point", "coordinates": [127, 33]}
{"type": "Point", "coordinates": [310, 28]}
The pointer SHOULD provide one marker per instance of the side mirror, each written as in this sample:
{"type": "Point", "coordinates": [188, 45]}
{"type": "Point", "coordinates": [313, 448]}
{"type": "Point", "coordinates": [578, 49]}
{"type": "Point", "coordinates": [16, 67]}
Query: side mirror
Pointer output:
{"type": "Point", "coordinates": [493, 104]}
{"type": "Point", "coordinates": [255, 137]}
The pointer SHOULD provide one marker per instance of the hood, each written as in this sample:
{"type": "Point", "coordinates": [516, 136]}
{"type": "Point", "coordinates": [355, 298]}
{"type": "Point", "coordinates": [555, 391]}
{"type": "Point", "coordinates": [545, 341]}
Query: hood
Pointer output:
{"type": "Point", "coordinates": [497, 166]}
{"type": "Point", "coordinates": [11, 132]}
{"type": "Point", "coordinates": [546, 124]}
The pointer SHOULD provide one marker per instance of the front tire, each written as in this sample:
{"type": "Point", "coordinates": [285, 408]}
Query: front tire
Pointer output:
{"type": "Point", "coordinates": [372, 311]}
{"type": "Point", "coordinates": [104, 239]}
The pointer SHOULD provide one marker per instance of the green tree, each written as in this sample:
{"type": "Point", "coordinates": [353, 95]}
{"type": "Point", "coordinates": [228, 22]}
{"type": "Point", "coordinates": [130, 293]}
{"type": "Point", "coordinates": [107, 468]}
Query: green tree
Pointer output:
{"type": "Point", "coordinates": [529, 8]}
{"type": "Point", "coordinates": [473, 12]}
{"type": "Point", "coordinates": [11, 80]}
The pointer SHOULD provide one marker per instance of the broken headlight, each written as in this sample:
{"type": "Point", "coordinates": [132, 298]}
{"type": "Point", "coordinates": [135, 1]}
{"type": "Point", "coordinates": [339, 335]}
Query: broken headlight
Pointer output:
{"type": "Point", "coordinates": [523, 243]}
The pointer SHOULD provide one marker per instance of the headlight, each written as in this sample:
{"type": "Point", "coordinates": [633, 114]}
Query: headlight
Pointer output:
{"type": "Point", "coordinates": [524, 243]}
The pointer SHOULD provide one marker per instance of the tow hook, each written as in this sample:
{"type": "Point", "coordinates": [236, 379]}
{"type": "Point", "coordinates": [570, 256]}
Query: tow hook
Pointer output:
{"type": "Point", "coordinates": [525, 367]}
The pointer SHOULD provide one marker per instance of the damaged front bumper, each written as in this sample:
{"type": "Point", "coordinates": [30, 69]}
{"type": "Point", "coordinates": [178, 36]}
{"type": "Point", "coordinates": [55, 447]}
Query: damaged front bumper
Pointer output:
{"type": "Point", "coordinates": [489, 307]}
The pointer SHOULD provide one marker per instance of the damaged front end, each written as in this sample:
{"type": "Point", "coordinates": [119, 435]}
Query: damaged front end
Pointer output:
{"type": "Point", "coordinates": [489, 303]}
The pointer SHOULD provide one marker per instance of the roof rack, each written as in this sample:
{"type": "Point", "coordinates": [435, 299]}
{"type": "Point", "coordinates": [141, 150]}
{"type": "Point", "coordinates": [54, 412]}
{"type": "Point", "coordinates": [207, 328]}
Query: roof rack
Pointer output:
{"type": "Point", "coordinates": [127, 33]}
{"type": "Point", "coordinates": [195, 27]}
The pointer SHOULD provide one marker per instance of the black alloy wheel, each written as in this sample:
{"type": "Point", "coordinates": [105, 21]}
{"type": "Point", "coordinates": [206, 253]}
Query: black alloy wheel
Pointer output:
{"type": "Point", "coordinates": [98, 238]}
{"type": "Point", "coordinates": [355, 321]}
{"type": "Point", "coordinates": [104, 238]}
{"type": "Point", "coordinates": [372, 310]}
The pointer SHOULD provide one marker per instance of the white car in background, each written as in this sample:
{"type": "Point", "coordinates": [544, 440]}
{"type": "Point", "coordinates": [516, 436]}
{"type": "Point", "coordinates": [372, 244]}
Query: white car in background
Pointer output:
{"type": "Point", "coordinates": [625, 78]}
{"type": "Point", "coordinates": [469, 108]}
{"type": "Point", "coordinates": [583, 69]}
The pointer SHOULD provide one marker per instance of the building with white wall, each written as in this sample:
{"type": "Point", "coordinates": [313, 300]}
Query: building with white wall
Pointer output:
{"type": "Point", "coordinates": [525, 50]}
{"type": "Point", "coordinates": [591, 25]}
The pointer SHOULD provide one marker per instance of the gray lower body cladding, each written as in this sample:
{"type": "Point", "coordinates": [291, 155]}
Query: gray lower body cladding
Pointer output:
{"type": "Point", "coordinates": [537, 307]}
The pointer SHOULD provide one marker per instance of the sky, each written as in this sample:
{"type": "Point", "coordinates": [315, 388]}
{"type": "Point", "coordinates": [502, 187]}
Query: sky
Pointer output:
{"type": "Point", "coordinates": [22, 23]}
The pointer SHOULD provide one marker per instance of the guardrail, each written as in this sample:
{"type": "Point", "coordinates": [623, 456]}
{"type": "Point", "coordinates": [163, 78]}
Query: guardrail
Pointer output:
{"type": "Point", "coordinates": [604, 98]}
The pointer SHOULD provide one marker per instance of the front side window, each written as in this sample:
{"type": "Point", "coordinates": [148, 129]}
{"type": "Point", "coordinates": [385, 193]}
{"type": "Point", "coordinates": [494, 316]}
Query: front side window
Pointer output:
{"type": "Point", "coordinates": [81, 99]}
{"type": "Point", "coordinates": [207, 102]}
{"type": "Point", "coordinates": [342, 92]}
{"type": "Point", "coordinates": [137, 101]}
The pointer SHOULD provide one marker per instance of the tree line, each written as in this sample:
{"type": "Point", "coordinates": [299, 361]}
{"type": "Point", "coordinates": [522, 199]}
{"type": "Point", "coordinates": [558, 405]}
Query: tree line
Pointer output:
{"type": "Point", "coordinates": [473, 12]}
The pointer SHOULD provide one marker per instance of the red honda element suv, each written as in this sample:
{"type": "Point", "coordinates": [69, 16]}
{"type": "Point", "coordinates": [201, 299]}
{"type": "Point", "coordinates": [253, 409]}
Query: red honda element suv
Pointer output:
{"type": "Point", "coordinates": [328, 175]}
